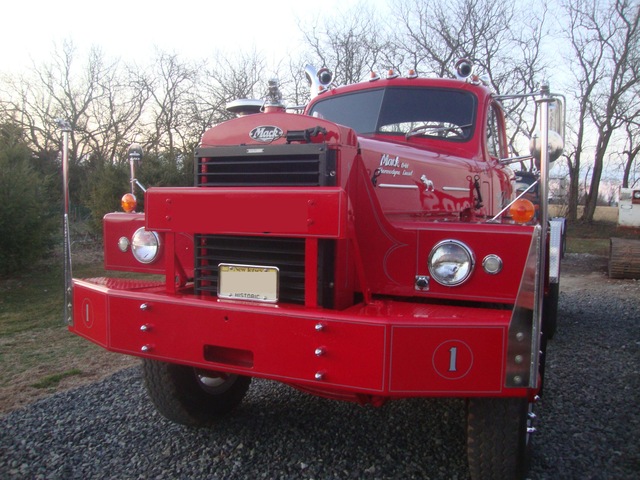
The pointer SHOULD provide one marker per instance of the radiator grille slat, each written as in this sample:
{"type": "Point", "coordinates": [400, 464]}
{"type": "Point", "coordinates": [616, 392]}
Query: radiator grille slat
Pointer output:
{"type": "Point", "coordinates": [285, 253]}
{"type": "Point", "coordinates": [277, 165]}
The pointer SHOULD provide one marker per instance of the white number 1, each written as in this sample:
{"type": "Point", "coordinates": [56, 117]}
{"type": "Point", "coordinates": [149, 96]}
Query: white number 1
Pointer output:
{"type": "Point", "coordinates": [453, 357]}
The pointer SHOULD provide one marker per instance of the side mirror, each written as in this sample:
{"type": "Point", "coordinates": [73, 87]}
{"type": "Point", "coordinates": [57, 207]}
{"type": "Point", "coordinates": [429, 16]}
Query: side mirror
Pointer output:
{"type": "Point", "coordinates": [556, 132]}
{"type": "Point", "coordinates": [556, 117]}
{"type": "Point", "coordinates": [556, 146]}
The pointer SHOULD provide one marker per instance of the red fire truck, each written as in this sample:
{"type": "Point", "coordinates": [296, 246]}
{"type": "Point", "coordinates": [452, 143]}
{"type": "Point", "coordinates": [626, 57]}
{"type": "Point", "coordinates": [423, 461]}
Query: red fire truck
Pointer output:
{"type": "Point", "coordinates": [376, 246]}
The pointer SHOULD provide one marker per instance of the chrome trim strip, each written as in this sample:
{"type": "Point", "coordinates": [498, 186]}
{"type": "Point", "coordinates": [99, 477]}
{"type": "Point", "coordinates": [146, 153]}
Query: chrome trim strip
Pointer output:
{"type": "Point", "coordinates": [392, 185]}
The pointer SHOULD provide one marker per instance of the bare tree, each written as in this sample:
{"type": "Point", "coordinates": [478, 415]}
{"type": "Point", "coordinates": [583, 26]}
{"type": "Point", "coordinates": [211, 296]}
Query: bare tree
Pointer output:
{"type": "Point", "coordinates": [102, 104]}
{"type": "Point", "coordinates": [171, 84]}
{"type": "Point", "coordinates": [629, 155]}
{"type": "Point", "coordinates": [293, 81]}
{"type": "Point", "coordinates": [629, 115]}
{"type": "Point", "coordinates": [502, 41]}
{"type": "Point", "coordinates": [224, 78]}
{"type": "Point", "coordinates": [351, 44]}
{"type": "Point", "coordinates": [604, 37]}
{"type": "Point", "coordinates": [118, 114]}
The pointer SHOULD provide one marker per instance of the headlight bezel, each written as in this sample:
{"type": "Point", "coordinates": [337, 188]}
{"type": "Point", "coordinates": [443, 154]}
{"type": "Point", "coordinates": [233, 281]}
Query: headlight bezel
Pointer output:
{"type": "Point", "coordinates": [436, 264]}
{"type": "Point", "coordinates": [145, 245]}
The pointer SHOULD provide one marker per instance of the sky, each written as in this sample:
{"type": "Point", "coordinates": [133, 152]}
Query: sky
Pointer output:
{"type": "Point", "coordinates": [131, 29]}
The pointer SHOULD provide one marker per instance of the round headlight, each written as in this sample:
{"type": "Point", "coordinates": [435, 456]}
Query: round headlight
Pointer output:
{"type": "Point", "coordinates": [145, 245]}
{"type": "Point", "coordinates": [450, 263]}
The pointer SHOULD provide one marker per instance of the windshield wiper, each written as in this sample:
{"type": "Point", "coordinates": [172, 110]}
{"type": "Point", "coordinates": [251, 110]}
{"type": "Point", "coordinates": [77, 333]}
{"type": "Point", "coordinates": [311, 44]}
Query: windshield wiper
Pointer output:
{"type": "Point", "coordinates": [456, 129]}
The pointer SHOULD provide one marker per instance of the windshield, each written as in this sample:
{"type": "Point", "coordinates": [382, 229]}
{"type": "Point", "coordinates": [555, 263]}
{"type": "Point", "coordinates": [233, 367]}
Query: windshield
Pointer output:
{"type": "Point", "coordinates": [430, 112]}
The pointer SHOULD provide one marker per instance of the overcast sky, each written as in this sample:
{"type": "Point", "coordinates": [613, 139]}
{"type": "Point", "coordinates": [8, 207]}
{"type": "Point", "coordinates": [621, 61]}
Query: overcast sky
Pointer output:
{"type": "Point", "coordinates": [130, 29]}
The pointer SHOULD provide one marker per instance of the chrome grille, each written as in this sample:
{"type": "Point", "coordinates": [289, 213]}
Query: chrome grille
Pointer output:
{"type": "Point", "coordinates": [278, 165]}
{"type": "Point", "coordinates": [285, 253]}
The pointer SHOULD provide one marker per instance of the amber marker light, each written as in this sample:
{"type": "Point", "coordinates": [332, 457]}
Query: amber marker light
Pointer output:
{"type": "Point", "coordinates": [128, 202]}
{"type": "Point", "coordinates": [522, 210]}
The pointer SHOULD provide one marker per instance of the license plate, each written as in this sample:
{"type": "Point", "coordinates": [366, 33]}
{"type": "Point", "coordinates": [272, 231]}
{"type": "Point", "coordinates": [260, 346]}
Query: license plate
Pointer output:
{"type": "Point", "coordinates": [248, 282]}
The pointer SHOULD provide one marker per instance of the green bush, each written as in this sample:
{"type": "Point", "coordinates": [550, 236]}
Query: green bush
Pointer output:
{"type": "Point", "coordinates": [27, 211]}
{"type": "Point", "coordinates": [107, 182]}
{"type": "Point", "coordinates": [107, 186]}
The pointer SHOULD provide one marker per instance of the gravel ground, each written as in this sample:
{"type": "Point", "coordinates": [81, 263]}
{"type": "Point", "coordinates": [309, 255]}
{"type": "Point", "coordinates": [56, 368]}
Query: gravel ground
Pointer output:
{"type": "Point", "coordinates": [589, 417]}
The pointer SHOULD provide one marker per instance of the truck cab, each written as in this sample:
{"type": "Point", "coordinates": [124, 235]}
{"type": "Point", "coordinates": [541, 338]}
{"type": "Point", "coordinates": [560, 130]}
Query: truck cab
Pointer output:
{"type": "Point", "coordinates": [432, 146]}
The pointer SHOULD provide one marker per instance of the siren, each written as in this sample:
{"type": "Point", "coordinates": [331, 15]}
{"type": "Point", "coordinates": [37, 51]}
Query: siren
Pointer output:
{"type": "Point", "coordinates": [325, 77]}
{"type": "Point", "coordinates": [463, 69]}
{"type": "Point", "coordinates": [319, 80]}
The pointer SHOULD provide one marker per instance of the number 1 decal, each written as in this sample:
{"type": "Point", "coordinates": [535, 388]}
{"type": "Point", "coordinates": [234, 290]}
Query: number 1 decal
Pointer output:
{"type": "Point", "coordinates": [453, 357]}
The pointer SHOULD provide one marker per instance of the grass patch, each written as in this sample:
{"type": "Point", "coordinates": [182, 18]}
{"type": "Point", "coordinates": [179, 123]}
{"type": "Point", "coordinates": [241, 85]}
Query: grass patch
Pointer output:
{"type": "Point", "coordinates": [34, 299]}
{"type": "Point", "coordinates": [594, 238]}
{"type": "Point", "coordinates": [29, 301]}
{"type": "Point", "coordinates": [52, 381]}
{"type": "Point", "coordinates": [37, 353]}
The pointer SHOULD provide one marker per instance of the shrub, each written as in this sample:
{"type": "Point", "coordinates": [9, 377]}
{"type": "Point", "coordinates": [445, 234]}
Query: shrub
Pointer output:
{"type": "Point", "coordinates": [27, 213]}
{"type": "Point", "coordinates": [108, 184]}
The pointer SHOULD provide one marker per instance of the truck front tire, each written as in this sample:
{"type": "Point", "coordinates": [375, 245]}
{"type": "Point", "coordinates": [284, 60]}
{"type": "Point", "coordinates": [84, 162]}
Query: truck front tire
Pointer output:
{"type": "Point", "coordinates": [191, 396]}
{"type": "Point", "coordinates": [498, 438]}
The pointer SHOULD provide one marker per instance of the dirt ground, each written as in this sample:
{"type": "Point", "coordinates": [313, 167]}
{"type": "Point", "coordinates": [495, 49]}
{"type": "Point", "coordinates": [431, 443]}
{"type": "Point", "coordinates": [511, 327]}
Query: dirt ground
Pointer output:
{"type": "Point", "coordinates": [582, 271]}
{"type": "Point", "coordinates": [578, 272]}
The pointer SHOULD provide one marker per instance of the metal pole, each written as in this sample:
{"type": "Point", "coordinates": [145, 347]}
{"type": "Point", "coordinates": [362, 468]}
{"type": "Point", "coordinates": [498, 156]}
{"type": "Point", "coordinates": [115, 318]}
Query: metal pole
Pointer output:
{"type": "Point", "coordinates": [544, 159]}
{"type": "Point", "coordinates": [132, 177]}
{"type": "Point", "coordinates": [543, 216]}
{"type": "Point", "coordinates": [68, 276]}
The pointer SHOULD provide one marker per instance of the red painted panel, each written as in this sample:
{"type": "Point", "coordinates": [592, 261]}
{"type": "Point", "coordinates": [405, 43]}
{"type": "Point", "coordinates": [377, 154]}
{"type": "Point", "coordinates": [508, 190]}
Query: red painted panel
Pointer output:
{"type": "Point", "coordinates": [90, 314]}
{"type": "Point", "coordinates": [236, 131]}
{"type": "Point", "coordinates": [116, 225]}
{"type": "Point", "coordinates": [446, 360]}
{"type": "Point", "coordinates": [284, 211]}
{"type": "Point", "coordinates": [387, 348]}
{"type": "Point", "coordinates": [279, 346]}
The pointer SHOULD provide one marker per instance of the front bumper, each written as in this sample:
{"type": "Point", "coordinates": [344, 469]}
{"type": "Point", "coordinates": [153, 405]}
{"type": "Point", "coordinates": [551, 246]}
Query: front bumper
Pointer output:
{"type": "Point", "coordinates": [387, 349]}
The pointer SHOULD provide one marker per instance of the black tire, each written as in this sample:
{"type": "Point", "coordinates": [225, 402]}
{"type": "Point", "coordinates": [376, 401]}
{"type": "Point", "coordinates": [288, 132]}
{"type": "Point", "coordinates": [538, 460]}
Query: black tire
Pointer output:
{"type": "Point", "coordinates": [550, 310]}
{"type": "Point", "coordinates": [498, 438]}
{"type": "Point", "coordinates": [190, 396]}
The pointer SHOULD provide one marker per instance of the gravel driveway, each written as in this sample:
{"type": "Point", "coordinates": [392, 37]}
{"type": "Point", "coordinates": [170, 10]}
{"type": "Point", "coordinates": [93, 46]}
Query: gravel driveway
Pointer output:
{"type": "Point", "coordinates": [589, 417]}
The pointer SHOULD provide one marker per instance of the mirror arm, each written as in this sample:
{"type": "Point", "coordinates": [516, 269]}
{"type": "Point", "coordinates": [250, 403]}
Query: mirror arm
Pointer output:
{"type": "Point", "coordinates": [516, 123]}
{"type": "Point", "coordinates": [510, 160]}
